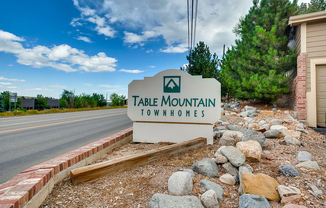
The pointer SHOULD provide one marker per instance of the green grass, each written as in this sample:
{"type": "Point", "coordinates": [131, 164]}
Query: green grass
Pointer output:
{"type": "Point", "coordinates": [54, 110]}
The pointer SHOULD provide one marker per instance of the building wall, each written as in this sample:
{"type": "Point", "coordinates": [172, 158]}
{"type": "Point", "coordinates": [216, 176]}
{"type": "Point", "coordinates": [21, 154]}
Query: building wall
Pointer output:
{"type": "Point", "coordinates": [316, 46]}
{"type": "Point", "coordinates": [27, 103]}
{"type": "Point", "coordinates": [53, 103]}
{"type": "Point", "coordinates": [300, 104]}
{"type": "Point", "coordinates": [298, 39]}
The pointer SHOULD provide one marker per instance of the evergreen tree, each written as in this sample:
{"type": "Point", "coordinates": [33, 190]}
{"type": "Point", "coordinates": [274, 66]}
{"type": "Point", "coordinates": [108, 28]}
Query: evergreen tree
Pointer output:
{"type": "Point", "coordinates": [202, 62]}
{"type": "Point", "coordinates": [255, 67]}
{"type": "Point", "coordinates": [313, 6]}
{"type": "Point", "coordinates": [2, 109]}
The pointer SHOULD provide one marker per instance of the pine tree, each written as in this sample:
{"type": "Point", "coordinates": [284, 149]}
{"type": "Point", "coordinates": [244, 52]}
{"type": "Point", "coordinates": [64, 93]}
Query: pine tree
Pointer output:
{"type": "Point", "coordinates": [2, 109]}
{"type": "Point", "coordinates": [202, 62]}
{"type": "Point", "coordinates": [255, 67]}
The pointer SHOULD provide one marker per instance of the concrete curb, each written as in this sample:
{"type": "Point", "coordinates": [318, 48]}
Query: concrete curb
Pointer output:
{"type": "Point", "coordinates": [30, 187]}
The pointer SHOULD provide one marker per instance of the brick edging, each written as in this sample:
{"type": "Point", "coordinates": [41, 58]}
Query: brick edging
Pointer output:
{"type": "Point", "coordinates": [21, 189]}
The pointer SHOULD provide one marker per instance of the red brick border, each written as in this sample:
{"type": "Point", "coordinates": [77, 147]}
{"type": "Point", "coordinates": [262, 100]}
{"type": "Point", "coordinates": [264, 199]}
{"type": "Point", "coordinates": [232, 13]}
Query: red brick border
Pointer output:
{"type": "Point", "coordinates": [300, 102]}
{"type": "Point", "coordinates": [16, 192]}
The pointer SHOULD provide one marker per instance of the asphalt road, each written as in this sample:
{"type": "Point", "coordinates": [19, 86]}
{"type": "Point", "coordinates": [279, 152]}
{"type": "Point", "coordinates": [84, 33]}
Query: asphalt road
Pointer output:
{"type": "Point", "coordinates": [26, 141]}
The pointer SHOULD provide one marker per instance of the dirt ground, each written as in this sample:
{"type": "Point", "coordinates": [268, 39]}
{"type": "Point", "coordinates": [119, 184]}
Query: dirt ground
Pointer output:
{"type": "Point", "coordinates": [135, 187]}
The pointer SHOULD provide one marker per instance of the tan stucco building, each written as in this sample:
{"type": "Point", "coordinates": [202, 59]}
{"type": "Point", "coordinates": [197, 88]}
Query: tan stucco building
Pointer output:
{"type": "Point", "coordinates": [310, 83]}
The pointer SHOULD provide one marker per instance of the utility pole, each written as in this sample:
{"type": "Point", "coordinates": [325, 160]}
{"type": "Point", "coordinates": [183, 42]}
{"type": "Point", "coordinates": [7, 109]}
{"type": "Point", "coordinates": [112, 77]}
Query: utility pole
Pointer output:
{"type": "Point", "coordinates": [223, 50]}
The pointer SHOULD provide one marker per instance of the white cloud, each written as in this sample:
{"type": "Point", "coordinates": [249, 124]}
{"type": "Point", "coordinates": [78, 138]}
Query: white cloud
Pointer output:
{"type": "Point", "coordinates": [39, 89]}
{"type": "Point", "coordinates": [12, 87]}
{"type": "Point", "coordinates": [10, 65]}
{"type": "Point", "coordinates": [110, 86]}
{"type": "Point", "coordinates": [87, 84]}
{"type": "Point", "coordinates": [145, 20]}
{"type": "Point", "coordinates": [135, 71]}
{"type": "Point", "coordinates": [57, 86]}
{"type": "Point", "coordinates": [153, 67]}
{"type": "Point", "coordinates": [5, 83]}
{"type": "Point", "coordinates": [62, 57]}
{"type": "Point", "coordinates": [85, 39]}
{"type": "Point", "coordinates": [149, 51]}
{"type": "Point", "coordinates": [175, 49]}
{"type": "Point", "coordinates": [12, 80]}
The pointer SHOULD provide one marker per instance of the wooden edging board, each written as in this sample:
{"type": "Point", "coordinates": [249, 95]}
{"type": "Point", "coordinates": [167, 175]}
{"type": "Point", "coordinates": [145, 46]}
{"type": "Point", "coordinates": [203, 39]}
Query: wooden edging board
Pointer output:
{"type": "Point", "coordinates": [102, 169]}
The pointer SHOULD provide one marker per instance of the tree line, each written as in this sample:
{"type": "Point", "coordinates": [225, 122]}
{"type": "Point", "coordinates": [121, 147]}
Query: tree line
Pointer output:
{"type": "Point", "coordinates": [67, 100]}
{"type": "Point", "coordinates": [259, 64]}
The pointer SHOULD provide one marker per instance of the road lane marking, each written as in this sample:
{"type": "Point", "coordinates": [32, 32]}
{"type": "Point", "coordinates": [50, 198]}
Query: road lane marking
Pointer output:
{"type": "Point", "coordinates": [67, 117]}
{"type": "Point", "coordinates": [33, 127]}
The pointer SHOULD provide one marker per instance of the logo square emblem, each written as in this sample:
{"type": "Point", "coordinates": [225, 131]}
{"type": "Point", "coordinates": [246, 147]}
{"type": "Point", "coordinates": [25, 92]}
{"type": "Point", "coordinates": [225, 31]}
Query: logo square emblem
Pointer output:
{"type": "Point", "coordinates": [171, 84]}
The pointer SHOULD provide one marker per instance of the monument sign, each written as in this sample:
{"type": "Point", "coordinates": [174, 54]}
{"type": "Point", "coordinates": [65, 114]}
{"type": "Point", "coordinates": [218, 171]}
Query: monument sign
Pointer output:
{"type": "Point", "coordinates": [173, 106]}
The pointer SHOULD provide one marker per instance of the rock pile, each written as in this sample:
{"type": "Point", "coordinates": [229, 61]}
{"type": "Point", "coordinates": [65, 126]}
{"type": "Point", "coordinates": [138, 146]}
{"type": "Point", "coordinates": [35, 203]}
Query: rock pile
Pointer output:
{"type": "Point", "coordinates": [239, 145]}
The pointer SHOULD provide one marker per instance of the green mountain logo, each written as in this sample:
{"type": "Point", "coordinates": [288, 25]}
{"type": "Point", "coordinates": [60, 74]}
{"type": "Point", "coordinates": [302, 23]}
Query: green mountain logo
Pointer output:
{"type": "Point", "coordinates": [172, 84]}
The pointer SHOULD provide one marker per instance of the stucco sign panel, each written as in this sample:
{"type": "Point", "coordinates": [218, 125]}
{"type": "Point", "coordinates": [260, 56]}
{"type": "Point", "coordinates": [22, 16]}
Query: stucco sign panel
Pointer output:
{"type": "Point", "coordinates": [173, 97]}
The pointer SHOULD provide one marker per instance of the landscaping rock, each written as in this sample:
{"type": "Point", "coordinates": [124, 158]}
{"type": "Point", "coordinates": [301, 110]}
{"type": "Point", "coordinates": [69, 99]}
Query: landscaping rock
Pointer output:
{"type": "Point", "coordinates": [285, 191]}
{"type": "Point", "coordinates": [180, 183]}
{"type": "Point", "coordinates": [209, 199]}
{"type": "Point", "coordinates": [303, 156]}
{"type": "Point", "coordinates": [280, 128]}
{"type": "Point", "coordinates": [191, 172]}
{"type": "Point", "coordinates": [227, 179]}
{"type": "Point", "coordinates": [165, 201]}
{"type": "Point", "coordinates": [221, 128]}
{"type": "Point", "coordinates": [261, 185]}
{"type": "Point", "coordinates": [230, 138]}
{"type": "Point", "coordinates": [230, 169]}
{"type": "Point", "coordinates": [291, 199]}
{"type": "Point", "coordinates": [206, 167]}
{"type": "Point", "coordinates": [265, 126]}
{"type": "Point", "coordinates": [255, 136]}
{"type": "Point", "coordinates": [315, 191]}
{"type": "Point", "coordinates": [233, 127]}
{"type": "Point", "coordinates": [251, 149]}
{"type": "Point", "coordinates": [262, 122]}
{"type": "Point", "coordinates": [253, 201]}
{"type": "Point", "coordinates": [244, 169]}
{"type": "Point", "coordinates": [292, 140]}
{"type": "Point", "coordinates": [216, 134]}
{"type": "Point", "coordinates": [289, 171]}
{"type": "Point", "coordinates": [211, 185]}
{"type": "Point", "coordinates": [219, 158]}
{"type": "Point", "coordinates": [244, 114]}
{"type": "Point", "coordinates": [269, 113]}
{"type": "Point", "coordinates": [251, 115]}
{"type": "Point", "coordinates": [250, 108]}
{"type": "Point", "coordinates": [234, 155]}
{"type": "Point", "coordinates": [276, 122]}
{"type": "Point", "coordinates": [271, 133]}
{"type": "Point", "coordinates": [308, 164]}
{"type": "Point", "coordinates": [295, 134]}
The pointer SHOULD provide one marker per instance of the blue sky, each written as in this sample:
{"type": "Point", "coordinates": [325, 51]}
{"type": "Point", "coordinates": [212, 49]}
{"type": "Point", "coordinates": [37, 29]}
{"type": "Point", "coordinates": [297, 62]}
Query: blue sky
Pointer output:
{"type": "Point", "coordinates": [102, 45]}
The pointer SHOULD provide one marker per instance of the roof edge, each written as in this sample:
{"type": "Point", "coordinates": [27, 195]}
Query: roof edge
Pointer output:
{"type": "Point", "coordinates": [303, 18]}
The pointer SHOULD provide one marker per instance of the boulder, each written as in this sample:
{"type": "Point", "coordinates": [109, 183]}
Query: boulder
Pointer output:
{"type": "Point", "coordinates": [219, 159]}
{"type": "Point", "coordinates": [308, 164]}
{"type": "Point", "coordinates": [261, 185]}
{"type": "Point", "coordinates": [233, 127]}
{"type": "Point", "coordinates": [209, 199]}
{"type": "Point", "coordinates": [285, 191]}
{"type": "Point", "coordinates": [234, 155]}
{"type": "Point", "coordinates": [249, 108]}
{"type": "Point", "coordinates": [262, 122]}
{"type": "Point", "coordinates": [253, 201]}
{"type": "Point", "coordinates": [269, 113]}
{"type": "Point", "coordinates": [217, 134]}
{"type": "Point", "coordinates": [163, 200]}
{"type": "Point", "coordinates": [230, 169]}
{"type": "Point", "coordinates": [291, 199]}
{"type": "Point", "coordinates": [276, 122]}
{"type": "Point", "coordinates": [230, 138]}
{"type": "Point", "coordinates": [280, 128]}
{"type": "Point", "coordinates": [271, 133]}
{"type": "Point", "coordinates": [244, 114]}
{"type": "Point", "coordinates": [303, 156]}
{"type": "Point", "coordinates": [227, 179]}
{"type": "Point", "coordinates": [191, 172]}
{"type": "Point", "coordinates": [292, 140]}
{"type": "Point", "coordinates": [251, 149]}
{"type": "Point", "coordinates": [244, 169]}
{"type": "Point", "coordinates": [289, 171]}
{"type": "Point", "coordinates": [206, 167]}
{"type": "Point", "coordinates": [211, 185]}
{"type": "Point", "coordinates": [265, 126]}
{"type": "Point", "coordinates": [180, 183]}
{"type": "Point", "coordinates": [255, 136]}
